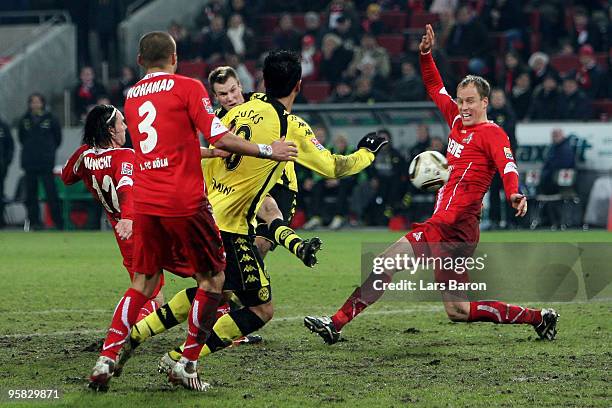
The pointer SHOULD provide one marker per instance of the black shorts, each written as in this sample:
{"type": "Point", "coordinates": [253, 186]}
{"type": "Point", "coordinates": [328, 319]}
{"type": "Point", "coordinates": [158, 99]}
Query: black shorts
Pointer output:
{"type": "Point", "coordinates": [245, 273]}
{"type": "Point", "coordinates": [286, 201]}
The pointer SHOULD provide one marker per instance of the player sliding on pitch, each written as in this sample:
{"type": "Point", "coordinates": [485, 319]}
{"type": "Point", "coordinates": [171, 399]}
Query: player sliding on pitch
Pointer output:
{"type": "Point", "coordinates": [476, 149]}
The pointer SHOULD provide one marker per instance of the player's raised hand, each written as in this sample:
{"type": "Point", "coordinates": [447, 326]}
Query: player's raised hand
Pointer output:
{"type": "Point", "coordinates": [428, 40]}
{"type": "Point", "coordinates": [519, 203]}
{"type": "Point", "coordinates": [124, 229]}
{"type": "Point", "coordinates": [372, 142]}
{"type": "Point", "coordinates": [283, 151]}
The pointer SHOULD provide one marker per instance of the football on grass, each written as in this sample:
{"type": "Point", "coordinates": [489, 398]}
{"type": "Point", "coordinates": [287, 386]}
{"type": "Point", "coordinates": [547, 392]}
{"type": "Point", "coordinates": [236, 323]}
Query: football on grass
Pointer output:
{"type": "Point", "coordinates": [429, 171]}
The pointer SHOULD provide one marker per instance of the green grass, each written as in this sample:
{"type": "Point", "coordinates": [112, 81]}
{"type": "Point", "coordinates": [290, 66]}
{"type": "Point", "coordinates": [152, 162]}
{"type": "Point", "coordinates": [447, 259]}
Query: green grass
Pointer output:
{"type": "Point", "coordinates": [59, 289]}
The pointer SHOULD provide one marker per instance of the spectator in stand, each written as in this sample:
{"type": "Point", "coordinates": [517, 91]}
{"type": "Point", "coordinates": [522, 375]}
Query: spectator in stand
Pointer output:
{"type": "Point", "coordinates": [312, 27]}
{"type": "Point", "coordinates": [364, 92]}
{"type": "Point", "coordinates": [248, 14]}
{"type": "Point", "coordinates": [340, 8]}
{"type": "Point", "coordinates": [520, 97]}
{"type": "Point", "coordinates": [86, 92]}
{"type": "Point", "coordinates": [40, 135]}
{"type": "Point", "coordinates": [511, 70]}
{"type": "Point", "coordinates": [552, 21]}
{"type": "Point", "coordinates": [286, 37]}
{"type": "Point", "coordinates": [574, 105]}
{"type": "Point", "coordinates": [540, 68]}
{"type": "Point", "coordinates": [437, 144]}
{"type": "Point", "coordinates": [591, 77]}
{"type": "Point", "coordinates": [336, 191]}
{"type": "Point", "coordinates": [244, 76]}
{"type": "Point", "coordinates": [370, 53]}
{"type": "Point", "coordinates": [311, 58]}
{"type": "Point", "coordinates": [443, 6]}
{"type": "Point", "coordinates": [334, 59]}
{"type": "Point", "coordinates": [423, 140]}
{"type": "Point", "coordinates": [372, 23]}
{"type": "Point", "coordinates": [184, 46]}
{"type": "Point", "coordinates": [241, 38]}
{"type": "Point", "coordinates": [585, 32]}
{"type": "Point", "coordinates": [342, 93]}
{"type": "Point", "coordinates": [7, 148]}
{"type": "Point", "coordinates": [209, 11]}
{"type": "Point", "coordinates": [507, 16]}
{"type": "Point", "coordinates": [561, 155]}
{"type": "Point", "coordinates": [126, 81]}
{"type": "Point", "coordinates": [546, 100]}
{"type": "Point", "coordinates": [347, 32]}
{"type": "Point", "coordinates": [468, 36]}
{"type": "Point", "coordinates": [409, 87]}
{"type": "Point", "coordinates": [214, 42]}
{"type": "Point", "coordinates": [500, 113]}
{"type": "Point", "coordinates": [306, 178]}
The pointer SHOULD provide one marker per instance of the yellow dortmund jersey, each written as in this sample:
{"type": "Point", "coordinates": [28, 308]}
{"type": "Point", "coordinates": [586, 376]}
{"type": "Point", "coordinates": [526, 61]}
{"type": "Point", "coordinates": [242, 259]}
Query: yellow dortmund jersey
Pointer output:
{"type": "Point", "coordinates": [238, 184]}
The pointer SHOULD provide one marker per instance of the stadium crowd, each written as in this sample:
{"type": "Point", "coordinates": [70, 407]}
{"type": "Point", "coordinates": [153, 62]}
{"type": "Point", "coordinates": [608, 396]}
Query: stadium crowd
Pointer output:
{"type": "Point", "coordinates": [546, 60]}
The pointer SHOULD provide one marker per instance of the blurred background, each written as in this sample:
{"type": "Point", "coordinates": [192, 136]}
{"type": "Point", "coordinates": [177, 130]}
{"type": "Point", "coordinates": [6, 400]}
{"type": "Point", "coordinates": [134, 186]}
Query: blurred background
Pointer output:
{"type": "Point", "coordinates": [548, 62]}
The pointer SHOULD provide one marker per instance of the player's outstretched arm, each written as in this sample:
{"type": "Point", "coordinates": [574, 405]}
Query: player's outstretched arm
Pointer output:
{"type": "Point", "coordinates": [280, 150]}
{"type": "Point", "coordinates": [432, 79]}
{"type": "Point", "coordinates": [69, 175]}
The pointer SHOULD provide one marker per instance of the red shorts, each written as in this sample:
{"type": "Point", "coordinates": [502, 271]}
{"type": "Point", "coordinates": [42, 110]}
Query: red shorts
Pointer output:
{"type": "Point", "coordinates": [126, 247]}
{"type": "Point", "coordinates": [181, 245]}
{"type": "Point", "coordinates": [429, 240]}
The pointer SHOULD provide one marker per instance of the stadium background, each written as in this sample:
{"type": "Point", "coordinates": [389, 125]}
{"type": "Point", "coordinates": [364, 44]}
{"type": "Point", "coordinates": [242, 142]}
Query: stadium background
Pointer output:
{"type": "Point", "coordinates": [48, 43]}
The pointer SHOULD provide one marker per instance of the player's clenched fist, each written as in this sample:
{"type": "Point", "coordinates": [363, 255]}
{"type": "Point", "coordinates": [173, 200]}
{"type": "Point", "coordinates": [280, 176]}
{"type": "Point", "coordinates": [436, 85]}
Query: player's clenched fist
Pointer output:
{"type": "Point", "coordinates": [372, 142]}
{"type": "Point", "coordinates": [428, 40]}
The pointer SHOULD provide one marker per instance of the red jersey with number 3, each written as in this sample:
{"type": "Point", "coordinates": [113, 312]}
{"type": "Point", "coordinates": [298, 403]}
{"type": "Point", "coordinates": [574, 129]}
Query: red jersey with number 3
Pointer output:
{"type": "Point", "coordinates": [107, 174]}
{"type": "Point", "coordinates": [163, 113]}
{"type": "Point", "coordinates": [474, 154]}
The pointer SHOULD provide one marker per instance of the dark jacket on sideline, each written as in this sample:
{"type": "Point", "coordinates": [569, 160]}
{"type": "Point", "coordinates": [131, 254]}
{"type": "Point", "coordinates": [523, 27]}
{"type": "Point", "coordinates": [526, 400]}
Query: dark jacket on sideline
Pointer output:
{"type": "Point", "coordinates": [40, 136]}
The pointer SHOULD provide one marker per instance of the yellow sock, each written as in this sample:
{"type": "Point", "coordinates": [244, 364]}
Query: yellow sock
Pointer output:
{"type": "Point", "coordinates": [169, 315]}
{"type": "Point", "coordinates": [285, 236]}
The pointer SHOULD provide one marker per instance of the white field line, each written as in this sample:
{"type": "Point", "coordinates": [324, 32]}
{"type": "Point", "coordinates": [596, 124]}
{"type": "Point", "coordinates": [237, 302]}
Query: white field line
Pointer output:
{"type": "Point", "coordinates": [428, 309]}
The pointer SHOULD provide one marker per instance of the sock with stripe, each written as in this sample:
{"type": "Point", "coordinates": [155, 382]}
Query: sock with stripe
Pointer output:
{"type": "Point", "coordinates": [202, 317]}
{"type": "Point", "coordinates": [149, 307]}
{"type": "Point", "coordinates": [499, 312]}
{"type": "Point", "coordinates": [169, 315]}
{"type": "Point", "coordinates": [284, 235]}
{"type": "Point", "coordinates": [124, 317]}
{"type": "Point", "coordinates": [228, 328]}
{"type": "Point", "coordinates": [362, 297]}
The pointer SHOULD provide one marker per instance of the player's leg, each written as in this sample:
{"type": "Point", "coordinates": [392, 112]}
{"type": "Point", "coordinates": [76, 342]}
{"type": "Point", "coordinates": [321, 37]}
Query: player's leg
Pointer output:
{"type": "Point", "coordinates": [276, 211]}
{"type": "Point", "coordinates": [362, 297]}
{"type": "Point", "coordinates": [146, 260]}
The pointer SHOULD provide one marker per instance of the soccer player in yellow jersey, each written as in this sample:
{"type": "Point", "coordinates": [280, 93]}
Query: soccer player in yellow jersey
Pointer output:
{"type": "Point", "coordinates": [278, 207]}
{"type": "Point", "coordinates": [237, 186]}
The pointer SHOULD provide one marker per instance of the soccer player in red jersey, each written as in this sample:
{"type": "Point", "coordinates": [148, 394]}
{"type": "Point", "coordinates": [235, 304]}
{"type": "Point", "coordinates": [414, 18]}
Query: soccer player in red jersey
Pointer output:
{"type": "Point", "coordinates": [172, 215]}
{"type": "Point", "coordinates": [107, 169]}
{"type": "Point", "coordinates": [476, 149]}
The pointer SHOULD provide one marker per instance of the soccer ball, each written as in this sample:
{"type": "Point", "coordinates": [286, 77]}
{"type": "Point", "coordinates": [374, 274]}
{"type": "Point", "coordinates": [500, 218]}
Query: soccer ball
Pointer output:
{"type": "Point", "coordinates": [429, 171]}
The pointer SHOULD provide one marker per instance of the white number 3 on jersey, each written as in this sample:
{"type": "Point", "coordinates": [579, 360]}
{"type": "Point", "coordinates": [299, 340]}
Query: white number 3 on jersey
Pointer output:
{"type": "Point", "coordinates": [145, 126]}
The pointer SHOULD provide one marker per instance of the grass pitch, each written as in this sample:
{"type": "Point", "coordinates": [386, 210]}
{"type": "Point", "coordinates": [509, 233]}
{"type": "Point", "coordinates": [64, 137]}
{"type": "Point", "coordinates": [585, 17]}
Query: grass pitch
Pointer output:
{"type": "Point", "coordinates": [59, 290]}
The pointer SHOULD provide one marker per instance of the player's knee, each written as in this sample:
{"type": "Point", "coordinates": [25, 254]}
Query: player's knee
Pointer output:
{"type": "Point", "coordinates": [265, 311]}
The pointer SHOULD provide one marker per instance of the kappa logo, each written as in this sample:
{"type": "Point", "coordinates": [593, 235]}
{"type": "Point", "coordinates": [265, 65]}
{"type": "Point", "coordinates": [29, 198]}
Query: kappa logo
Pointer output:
{"type": "Point", "coordinates": [245, 258]}
{"type": "Point", "coordinates": [244, 247]}
{"type": "Point", "coordinates": [127, 169]}
{"type": "Point", "coordinates": [251, 279]}
{"type": "Point", "coordinates": [468, 139]}
{"type": "Point", "coordinates": [249, 268]}
{"type": "Point", "coordinates": [241, 241]}
{"type": "Point", "coordinates": [417, 235]}
{"type": "Point", "coordinates": [208, 106]}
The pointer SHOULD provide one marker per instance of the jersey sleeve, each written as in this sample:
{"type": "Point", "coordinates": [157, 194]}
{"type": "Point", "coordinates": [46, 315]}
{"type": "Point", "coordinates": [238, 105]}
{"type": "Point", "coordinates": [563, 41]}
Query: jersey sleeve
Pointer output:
{"type": "Point", "coordinates": [72, 171]}
{"type": "Point", "coordinates": [314, 156]}
{"type": "Point", "coordinates": [436, 90]}
{"type": "Point", "coordinates": [123, 171]}
{"type": "Point", "coordinates": [201, 112]}
{"type": "Point", "coordinates": [499, 150]}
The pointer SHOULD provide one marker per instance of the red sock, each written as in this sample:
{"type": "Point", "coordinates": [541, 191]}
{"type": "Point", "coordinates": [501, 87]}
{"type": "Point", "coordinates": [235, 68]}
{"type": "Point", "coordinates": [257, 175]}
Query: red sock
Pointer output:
{"type": "Point", "coordinates": [202, 317]}
{"type": "Point", "coordinates": [124, 318]}
{"type": "Point", "coordinates": [362, 297]}
{"type": "Point", "coordinates": [223, 309]}
{"type": "Point", "coordinates": [149, 307]}
{"type": "Point", "coordinates": [499, 312]}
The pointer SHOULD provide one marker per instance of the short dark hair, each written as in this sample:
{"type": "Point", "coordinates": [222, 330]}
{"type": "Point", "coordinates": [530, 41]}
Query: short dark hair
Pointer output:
{"type": "Point", "coordinates": [220, 75]}
{"type": "Point", "coordinates": [98, 123]}
{"type": "Point", "coordinates": [39, 96]}
{"type": "Point", "coordinates": [155, 48]}
{"type": "Point", "coordinates": [282, 71]}
{"type": "Point", "coordinates": [481, 84]}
